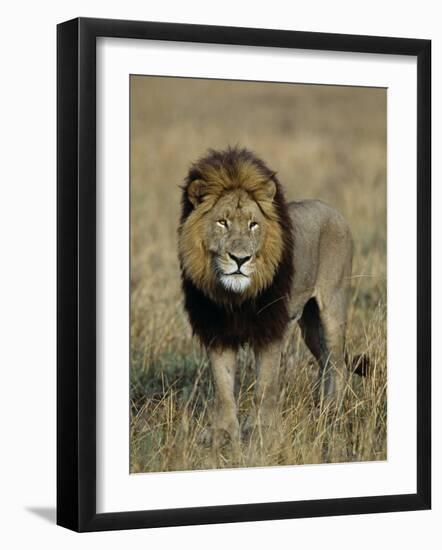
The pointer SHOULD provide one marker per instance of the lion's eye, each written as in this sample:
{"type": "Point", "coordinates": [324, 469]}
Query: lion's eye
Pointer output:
{"type": "Point", "coordinates": [222, 223]}
{"type": "Point", "coordinates": [252, 225]}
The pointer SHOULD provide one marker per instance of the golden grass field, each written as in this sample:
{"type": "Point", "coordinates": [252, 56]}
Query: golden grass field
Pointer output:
{"type": "Point", "coordinates": [325, 142]}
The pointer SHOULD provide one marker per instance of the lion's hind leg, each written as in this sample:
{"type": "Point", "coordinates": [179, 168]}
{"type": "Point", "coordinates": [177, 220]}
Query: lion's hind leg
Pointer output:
{"type": "Point", "coordinates": [312, 332]}
{"type": "Point", "coordinates": [323, 331]}
{"type": "Point", "coordinates": [334, 373]}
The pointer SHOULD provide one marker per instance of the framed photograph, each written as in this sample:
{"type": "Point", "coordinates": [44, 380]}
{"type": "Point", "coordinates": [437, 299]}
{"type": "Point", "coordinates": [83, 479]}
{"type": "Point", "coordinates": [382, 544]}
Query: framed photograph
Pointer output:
{"type": "Point", "coordinates": [243, 274]}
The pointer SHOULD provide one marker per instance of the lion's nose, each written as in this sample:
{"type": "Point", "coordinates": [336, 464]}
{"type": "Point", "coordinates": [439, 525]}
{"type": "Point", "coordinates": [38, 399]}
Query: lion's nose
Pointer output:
{"type": "Point", "coordinates": [240, 260]}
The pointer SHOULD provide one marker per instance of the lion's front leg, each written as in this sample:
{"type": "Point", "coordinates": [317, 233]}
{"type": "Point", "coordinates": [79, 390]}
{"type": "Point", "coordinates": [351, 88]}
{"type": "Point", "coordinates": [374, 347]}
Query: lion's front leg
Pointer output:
{"type": "Point", "coordinates": [267, 387]}
{"type": "Point", "coordinates": [225, 422]}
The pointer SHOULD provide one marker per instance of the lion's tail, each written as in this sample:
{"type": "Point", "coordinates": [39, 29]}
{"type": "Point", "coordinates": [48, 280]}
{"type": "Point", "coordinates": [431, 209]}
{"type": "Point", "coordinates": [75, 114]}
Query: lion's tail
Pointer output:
{"type": "Point", "coordinates": [358, 364]}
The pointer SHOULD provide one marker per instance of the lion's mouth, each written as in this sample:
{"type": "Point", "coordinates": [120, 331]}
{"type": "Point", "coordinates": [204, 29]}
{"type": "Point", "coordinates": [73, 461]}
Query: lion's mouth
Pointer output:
{"type": "Point", "coordinates": [237, 272]}
{"type": "Point", "coordinates": [236, 281]}
{"type": "Point", "coordinates": [232, 277]}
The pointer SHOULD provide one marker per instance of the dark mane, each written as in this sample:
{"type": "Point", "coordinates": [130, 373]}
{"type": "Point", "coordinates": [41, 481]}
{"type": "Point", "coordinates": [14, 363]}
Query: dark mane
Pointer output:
{"type": "Point", "coordinates": [259, 320]}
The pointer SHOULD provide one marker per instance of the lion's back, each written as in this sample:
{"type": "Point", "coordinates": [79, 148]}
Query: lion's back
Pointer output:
{"type": "Point", "coordinates": [323, 248]}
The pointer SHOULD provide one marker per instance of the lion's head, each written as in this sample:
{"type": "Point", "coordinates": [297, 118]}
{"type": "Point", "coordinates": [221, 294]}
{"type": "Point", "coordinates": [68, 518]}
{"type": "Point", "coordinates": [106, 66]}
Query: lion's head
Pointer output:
{"type": "Point", "coordinates": [236, 250]}
{"type": "Point", "coordinates": [231, 239]}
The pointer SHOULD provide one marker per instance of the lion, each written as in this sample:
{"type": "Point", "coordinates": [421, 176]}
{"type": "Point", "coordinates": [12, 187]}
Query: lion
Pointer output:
{"type": "Point", "coordinates": [252, 265]}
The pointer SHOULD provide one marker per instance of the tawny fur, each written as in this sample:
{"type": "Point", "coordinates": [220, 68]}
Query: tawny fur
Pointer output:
{"type": "Point", "coordinates": [293, 265]}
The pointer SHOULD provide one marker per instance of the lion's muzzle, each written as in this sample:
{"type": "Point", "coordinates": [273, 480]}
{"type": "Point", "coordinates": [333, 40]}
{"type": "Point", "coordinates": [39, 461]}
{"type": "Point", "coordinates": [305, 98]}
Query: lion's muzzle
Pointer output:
{"type": "Point", "coordinates": [234, 271]}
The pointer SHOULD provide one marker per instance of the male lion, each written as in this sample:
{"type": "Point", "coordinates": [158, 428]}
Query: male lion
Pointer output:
{"type": "Point", "coordinates": [251, 266]}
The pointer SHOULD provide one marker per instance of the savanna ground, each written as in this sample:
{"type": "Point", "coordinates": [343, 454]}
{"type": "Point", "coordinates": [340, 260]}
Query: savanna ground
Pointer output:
{"type": "Point", "coordinates": [325, 142]}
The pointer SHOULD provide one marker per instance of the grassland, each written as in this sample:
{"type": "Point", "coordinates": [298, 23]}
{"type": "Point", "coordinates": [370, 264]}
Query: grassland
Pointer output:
{"type": "Point", "coordinates": [325, 142]}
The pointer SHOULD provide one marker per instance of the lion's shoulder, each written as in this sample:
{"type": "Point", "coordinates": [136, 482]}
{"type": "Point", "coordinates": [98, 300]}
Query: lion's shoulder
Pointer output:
{"type": "Point", "coordinates": [316, 216]}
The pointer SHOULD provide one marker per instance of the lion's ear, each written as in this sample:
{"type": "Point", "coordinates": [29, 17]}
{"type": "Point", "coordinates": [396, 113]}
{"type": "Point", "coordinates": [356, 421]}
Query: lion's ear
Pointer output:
{"type": "Point", "coordinates": [195, 191]}
{"type": "Point", "coordinates": [270, 190]}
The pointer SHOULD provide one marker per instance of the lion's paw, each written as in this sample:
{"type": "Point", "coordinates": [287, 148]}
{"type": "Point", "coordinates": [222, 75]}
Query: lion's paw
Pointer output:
{"type": "Point", "coordinates": [225, 430]}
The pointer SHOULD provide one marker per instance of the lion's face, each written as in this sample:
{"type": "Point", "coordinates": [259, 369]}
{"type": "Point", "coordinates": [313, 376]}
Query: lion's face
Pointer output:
{"type": "Point", "coordinates": [231, 243]}
{"type": "Point", "coordinates": [234, 233]}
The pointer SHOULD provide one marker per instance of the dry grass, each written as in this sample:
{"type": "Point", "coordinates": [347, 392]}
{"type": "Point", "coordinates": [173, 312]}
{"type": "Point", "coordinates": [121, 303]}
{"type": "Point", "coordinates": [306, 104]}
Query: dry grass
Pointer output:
{"type": "Point", "coordinates": [325, 142]}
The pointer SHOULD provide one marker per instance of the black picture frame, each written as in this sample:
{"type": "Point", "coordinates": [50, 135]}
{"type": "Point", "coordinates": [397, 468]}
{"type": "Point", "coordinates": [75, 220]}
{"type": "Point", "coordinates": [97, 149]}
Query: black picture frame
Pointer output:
{"type": "Point", "coordinates": [76, 273]}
